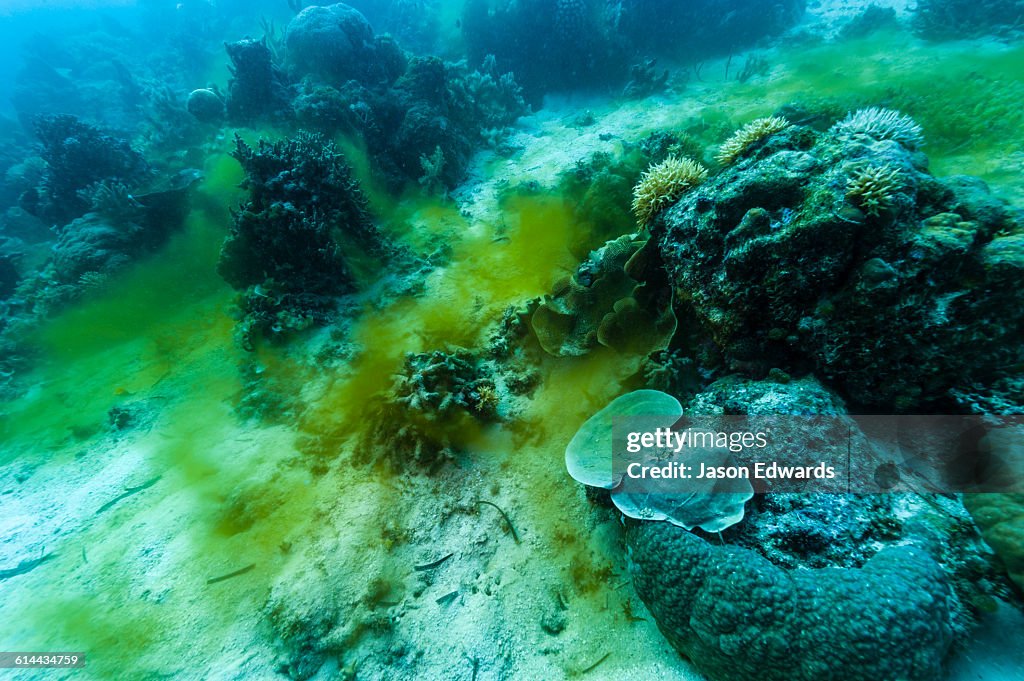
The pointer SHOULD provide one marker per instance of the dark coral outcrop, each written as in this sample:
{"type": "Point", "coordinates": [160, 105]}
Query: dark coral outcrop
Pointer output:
{"type": "Point", "coordinates": [332, 41]}
{"type": "Point", "coordinates": [257, 88]}
{"type": "Point", "coordinates": [293, 243]}
{"type": "Point", "coordinates": [814, 586]}
{"type": "Point", "coordinates": [794, 258]}
{"type": "Point", "coordinates": [957, 19]}
{"type": "Point", "coordinates": [79, 155]}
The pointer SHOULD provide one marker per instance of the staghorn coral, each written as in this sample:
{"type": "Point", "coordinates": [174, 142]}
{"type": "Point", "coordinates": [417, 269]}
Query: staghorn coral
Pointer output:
{"type": "Point", "coordinates": [880, 124]}
{"type": "Point", "coordinates": [751, 133]}
{"type": "Point", "coordinates": [663, 184]}
{"type": "Point", "coordinates": [872, 188]}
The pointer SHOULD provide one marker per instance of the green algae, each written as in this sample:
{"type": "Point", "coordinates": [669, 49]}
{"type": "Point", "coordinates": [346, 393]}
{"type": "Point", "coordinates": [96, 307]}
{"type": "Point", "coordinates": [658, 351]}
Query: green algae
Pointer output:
{"type": "Point", "coordinates": [964, 95]}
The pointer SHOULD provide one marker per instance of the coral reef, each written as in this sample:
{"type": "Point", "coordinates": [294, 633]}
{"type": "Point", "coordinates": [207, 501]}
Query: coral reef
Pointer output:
{"type": "Point", "coordinates": [957, 19]}
{"type": "Point", "coordinates": [749, 135]}
{"type": "Point", "coordinates": [257, 87]}
{"type": "Point", "coordinates": [880, 124]}
{"type": "Point", "coordinates": [783, 272]}
{"type": "Point", "coordinates": [662, 185]}
{"type": "Point", "coordinates": [807, 583]}
{"type": "Point", "coordinates": [548, 44]}
{"type": "Point", "coordinates": [703, 28]}
{"type": "Point", "coordinates": [333, 41]}
{"type": "Point", "coordinates": [873, 18]}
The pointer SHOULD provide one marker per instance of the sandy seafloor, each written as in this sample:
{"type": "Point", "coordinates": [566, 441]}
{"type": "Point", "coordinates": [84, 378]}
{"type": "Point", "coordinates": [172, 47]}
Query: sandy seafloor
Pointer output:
{"type": "Point", "coordinates": [128, 583]}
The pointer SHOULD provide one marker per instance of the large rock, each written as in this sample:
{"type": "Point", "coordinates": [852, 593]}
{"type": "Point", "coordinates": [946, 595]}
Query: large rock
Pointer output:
{"type": "Point", "coordinates": [845, 257]}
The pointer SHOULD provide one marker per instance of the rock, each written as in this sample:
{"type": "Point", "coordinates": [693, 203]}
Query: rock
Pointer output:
{"type": "Point", "coordinates": [783, 270]}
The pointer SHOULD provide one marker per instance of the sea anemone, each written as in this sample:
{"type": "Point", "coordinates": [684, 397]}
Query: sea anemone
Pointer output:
{"type": "Point", "coordinates": [746, 136]}
{"type": "Point", "coordinates": [880, 124]}
{"type": "Point", "coordinates": [663, 184]}
{"type": "Point", "coordinates": [872, 188]}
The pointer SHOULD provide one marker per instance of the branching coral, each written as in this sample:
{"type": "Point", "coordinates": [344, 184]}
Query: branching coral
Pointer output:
{"type": "Point", "coordinates": [77, 156]}
{"type": "Point", "coordinates": [433, 403]}
{"type": "Point", "coordinates": [872, 188]}
{"type": "Point", "coordinates": [880, 124]}
{"type": "Point", "coordinates": [663, 184]}
{"type": "Point", "coordinates": [751, 133]}
{"type": "Point", "coordinates": [292, 243]}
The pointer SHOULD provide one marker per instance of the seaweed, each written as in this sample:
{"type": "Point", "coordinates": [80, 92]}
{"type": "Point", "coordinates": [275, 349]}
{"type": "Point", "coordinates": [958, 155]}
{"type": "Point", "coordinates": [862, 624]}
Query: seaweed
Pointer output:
{"type": "Point", "coordinates": [236, 573]}
{"type": "Point", "coordinates": [511, 527]}
{"type": "Point", "coordinates": [435, 564]}
{"type": "Point", "coordinates": [127, 493]}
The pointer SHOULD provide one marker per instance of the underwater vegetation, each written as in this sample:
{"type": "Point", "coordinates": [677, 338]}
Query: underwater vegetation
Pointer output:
{"type": "Point", "coordinates": [300, 307]}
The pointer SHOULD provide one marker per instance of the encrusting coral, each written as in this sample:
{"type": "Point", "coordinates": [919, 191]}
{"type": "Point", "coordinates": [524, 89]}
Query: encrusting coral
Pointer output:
{"type": "Point", "coordinates": [747, 136]}
{"type": "Point", "coordinates": [663, 184]}
{"type": "Point", "coordinates": [872, 188]}
{"type": "Point", "coordinates": [880, 124]}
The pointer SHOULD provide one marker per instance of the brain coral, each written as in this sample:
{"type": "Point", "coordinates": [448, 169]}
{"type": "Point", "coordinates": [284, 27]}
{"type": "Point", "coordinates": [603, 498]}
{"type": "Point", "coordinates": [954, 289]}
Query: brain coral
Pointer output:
{"type": "Point", "coordinates": [880, 124]}
{"type": "Point", "coordinates": [747, 136]}
{"type": "Point", "coordinates": [663, 184]}
{"type": "Point", "coordinates": [739, 617]}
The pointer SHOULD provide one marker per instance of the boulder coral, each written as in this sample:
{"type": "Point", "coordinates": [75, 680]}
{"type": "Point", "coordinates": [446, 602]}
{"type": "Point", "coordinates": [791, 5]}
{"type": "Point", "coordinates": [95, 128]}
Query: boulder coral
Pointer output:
{"type": "Point", "coordinates": [814, 586]}
{"type": "Point", "coordinates": [741, 618]}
